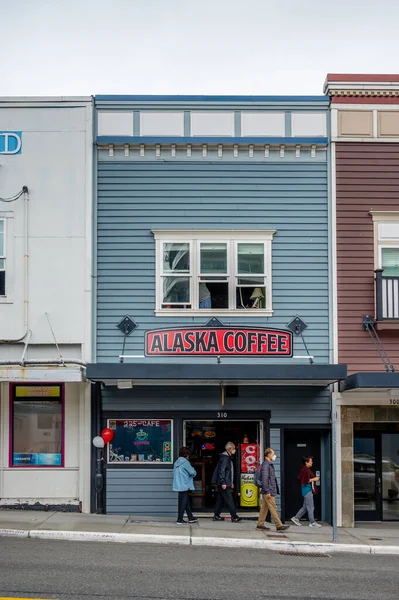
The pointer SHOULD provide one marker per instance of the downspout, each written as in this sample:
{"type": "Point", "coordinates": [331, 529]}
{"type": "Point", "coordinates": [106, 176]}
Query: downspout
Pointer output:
{"type": "Point", "coordinates": [26, 272]}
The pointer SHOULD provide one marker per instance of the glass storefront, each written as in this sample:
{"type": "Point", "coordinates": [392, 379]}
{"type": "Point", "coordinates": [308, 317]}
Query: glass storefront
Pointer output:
{"type": "Point", "coordinates": [376, 471]}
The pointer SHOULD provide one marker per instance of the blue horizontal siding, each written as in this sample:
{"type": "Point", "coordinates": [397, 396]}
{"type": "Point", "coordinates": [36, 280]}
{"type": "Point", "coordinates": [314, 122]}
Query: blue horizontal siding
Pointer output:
{"type": "Point", "coordinates": [288, 405]}
{"type": "Point", "coordinates": [140, 492]}
{"type": "Point", "coordinates": [134, 198]}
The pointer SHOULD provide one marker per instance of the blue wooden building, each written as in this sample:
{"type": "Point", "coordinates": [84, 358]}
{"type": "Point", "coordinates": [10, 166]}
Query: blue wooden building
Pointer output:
{"type": "Point", "coordinates": [213, 318]}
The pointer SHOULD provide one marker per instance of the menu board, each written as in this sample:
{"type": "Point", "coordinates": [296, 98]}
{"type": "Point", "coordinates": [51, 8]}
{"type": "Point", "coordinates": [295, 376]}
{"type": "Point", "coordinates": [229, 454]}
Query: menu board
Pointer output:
{"type": "Point", "coordinates": [141, 441]}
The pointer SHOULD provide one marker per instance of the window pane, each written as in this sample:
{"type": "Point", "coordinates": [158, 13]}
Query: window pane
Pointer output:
{"type": "Point", "coordinates": [251, 281]}
{"type": "Point", "coordinates": [390, 262]}
{"type": "Point", "coordinates": [2, 248]}
{"type": "Point", "coordinates": [37, 432]}
{"type": "Point", "coordinates": [213, 295]}
{"type": "Point", "coordinates": [2, 283]}
{"type": "Point", "coordinates": [251, 258]}
{"type": "Point", "coordinates": [251, 298]}
{"type": "Point", "coordinates": [176, 258]}
{"type": "Point", "coordinates": [213, 258]}
{"type": "Point", "coordinates": [176, 289]}
{"type": "Point", "coordinates": [142, 441]}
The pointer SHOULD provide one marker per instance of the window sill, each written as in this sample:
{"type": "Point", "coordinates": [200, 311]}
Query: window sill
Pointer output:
{"type": "Point", "coordinates": [6, 300]}
{"type": "Point", "coordinates": [256, 312]}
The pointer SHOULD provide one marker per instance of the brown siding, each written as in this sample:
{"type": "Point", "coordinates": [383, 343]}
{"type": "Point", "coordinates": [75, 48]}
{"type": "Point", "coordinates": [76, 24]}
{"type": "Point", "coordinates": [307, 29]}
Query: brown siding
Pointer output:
{"type": "Point", "coordinates": [367, 179]}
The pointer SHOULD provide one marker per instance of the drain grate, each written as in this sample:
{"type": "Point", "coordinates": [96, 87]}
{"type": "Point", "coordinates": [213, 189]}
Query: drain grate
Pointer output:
{"type": "Point", "coordinates": [309, 554]}
{"type": "Point", "coordinates": [376, 539]}
{"type": "Point", "coordinates": [277, 536]}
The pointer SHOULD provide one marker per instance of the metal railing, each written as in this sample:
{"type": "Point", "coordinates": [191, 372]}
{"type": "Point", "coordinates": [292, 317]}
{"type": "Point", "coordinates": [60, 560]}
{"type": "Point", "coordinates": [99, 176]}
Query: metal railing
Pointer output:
{"type": "Point", "coordinates": [386, 296]}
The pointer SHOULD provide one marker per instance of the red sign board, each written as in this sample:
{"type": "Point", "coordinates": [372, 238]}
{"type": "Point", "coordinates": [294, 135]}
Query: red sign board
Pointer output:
{"type": "Point", "coordinates": [249, 458]}
{"type": "Point", "coordinates": [219, 341]}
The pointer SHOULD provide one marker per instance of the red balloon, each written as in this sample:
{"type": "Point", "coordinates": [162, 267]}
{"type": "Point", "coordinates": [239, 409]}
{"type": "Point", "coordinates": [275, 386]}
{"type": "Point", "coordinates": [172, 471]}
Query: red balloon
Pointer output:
{"type": "Point", "coordinates": [107, 435]}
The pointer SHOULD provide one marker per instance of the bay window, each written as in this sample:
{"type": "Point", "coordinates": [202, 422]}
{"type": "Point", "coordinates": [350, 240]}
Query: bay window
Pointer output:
{"type": "Point", "coordinates": [213, 271]}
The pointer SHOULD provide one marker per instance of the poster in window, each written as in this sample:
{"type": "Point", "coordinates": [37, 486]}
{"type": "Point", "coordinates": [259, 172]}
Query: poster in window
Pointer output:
{"type": "Point", "coordinates": [141, 441]}
{"type": "Point", "coordinates": [37, 417]}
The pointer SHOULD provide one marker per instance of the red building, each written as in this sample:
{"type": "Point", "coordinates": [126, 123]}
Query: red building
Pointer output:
{"type": "Point", "coordinates": [365, 205]}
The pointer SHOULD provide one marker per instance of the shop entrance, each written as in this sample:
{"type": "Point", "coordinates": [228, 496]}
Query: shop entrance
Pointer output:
{"type": "Point", "coordinates": [297, 444]}
{"type": "Point", "coordinates": [376, 471]}
{"type": "Point", "coordinates": [207, 440]}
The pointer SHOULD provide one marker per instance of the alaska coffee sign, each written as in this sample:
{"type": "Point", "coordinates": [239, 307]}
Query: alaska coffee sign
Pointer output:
{"type": "Point", "coordinates": [218, 341]}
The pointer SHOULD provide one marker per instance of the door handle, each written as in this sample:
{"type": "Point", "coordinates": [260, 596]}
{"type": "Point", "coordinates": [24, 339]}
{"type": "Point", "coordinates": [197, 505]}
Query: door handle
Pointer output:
{"type": "Point", "coordinates": [379, 485]}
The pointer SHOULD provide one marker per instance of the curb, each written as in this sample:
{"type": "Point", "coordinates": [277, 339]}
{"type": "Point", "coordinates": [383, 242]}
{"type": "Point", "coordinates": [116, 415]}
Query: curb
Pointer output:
{"type": "Point", "coordinates": [180, 540]}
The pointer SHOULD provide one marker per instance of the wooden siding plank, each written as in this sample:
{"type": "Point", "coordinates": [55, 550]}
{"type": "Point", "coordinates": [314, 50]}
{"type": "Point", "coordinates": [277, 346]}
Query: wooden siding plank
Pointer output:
{"type": "Point", "coordinates": [135, 197]}
{"type": "Point", "coordinates": [367, 178]}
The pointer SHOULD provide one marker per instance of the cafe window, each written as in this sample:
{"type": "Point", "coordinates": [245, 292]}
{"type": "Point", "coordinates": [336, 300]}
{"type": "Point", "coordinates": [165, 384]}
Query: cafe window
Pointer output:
{"type": "Point", "coordinates": [215, 272]}
{"type": "Point", "coordinates": [141, 441]}
{"type": "Point", "coordinates": [37, 426]}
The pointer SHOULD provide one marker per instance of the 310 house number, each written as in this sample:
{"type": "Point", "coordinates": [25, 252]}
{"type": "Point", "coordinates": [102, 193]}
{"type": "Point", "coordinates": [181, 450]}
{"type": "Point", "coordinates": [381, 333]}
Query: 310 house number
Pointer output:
{"type": "Point", "coordinates": [222, 415]}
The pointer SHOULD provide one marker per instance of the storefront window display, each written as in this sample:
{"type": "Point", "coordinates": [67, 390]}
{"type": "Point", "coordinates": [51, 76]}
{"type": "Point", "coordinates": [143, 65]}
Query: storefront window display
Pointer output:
{"type": "Point", "coordinates": [141, 441]}
{"type": "Point", "coordinates": [37, 420]}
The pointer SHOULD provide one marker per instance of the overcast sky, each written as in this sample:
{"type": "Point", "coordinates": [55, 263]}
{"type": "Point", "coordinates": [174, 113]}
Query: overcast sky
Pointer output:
{"type": "Point", "coordinates": [84, 47]}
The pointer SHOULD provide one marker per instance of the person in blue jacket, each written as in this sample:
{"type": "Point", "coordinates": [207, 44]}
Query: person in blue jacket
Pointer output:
{"type": "Point", "coordinates": [183, 482]}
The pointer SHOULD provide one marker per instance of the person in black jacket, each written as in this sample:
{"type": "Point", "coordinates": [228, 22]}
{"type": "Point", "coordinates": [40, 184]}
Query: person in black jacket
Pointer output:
{"type": "Point", "coordinates": [223, 478]}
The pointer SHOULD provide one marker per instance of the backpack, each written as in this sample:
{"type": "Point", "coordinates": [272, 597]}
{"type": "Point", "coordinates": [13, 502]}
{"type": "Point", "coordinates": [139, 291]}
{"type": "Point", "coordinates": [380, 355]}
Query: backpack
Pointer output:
{"type": "Point", "coordinates": [258, 477]}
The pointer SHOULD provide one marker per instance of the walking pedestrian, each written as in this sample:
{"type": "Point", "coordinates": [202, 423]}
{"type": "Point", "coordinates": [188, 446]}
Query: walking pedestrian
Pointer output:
{"type": "Point", "coordinates": [307, 481]}
{"type": "Point", "coordinates": [269, 490]}
{"type": "Point", "coordinates": [183, 483]}
{"type": "Point", "coordinates": [223, 478]}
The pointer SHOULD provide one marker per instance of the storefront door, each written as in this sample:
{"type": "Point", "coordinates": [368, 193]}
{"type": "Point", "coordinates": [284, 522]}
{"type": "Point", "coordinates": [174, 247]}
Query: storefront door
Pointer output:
{"type": "Point", "coordinates": [207, 440]}
{"type": "Point", "coordinates": [376, 472]}
{"type": "Point", "coordinates": [297, 444]}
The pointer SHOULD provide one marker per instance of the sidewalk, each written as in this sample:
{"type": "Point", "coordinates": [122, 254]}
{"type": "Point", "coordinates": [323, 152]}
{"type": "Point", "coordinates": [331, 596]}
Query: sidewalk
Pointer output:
{"type": "Point", "coordinates": [375, 538]}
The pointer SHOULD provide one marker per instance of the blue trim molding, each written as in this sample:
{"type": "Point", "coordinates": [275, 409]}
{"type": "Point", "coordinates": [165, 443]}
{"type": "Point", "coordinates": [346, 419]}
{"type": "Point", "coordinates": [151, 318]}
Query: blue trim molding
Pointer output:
{"type": "Point", "coordinates": [279, 141]}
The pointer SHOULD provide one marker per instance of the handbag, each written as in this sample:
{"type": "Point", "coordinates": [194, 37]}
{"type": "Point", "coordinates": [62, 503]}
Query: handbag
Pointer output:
{"type": "Point", "coordinates": [258, 477]}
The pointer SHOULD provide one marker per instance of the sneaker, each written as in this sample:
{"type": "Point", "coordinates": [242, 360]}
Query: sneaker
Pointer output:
{"type": "Point", "coordinates": [282, 528]}
{"type": "Point", "coordinates": [315, 524]}
{"type": "Point", "coordinates": [217, 518]}
{"type": "Point", "coordinates": [296, 521]}
{"type": "Point", "coordinates": [263, 528]}
{"type": "Point", "coordinates": [181, 522]}
{"type": "Point", "coordinates": [236, 519]}
{"type": "Point", "coordinates": [193, 520]}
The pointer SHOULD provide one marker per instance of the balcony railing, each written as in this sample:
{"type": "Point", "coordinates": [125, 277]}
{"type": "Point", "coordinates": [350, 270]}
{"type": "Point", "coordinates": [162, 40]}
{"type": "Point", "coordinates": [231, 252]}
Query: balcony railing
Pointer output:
{"type": "Point", "coordinates": [387, 297]}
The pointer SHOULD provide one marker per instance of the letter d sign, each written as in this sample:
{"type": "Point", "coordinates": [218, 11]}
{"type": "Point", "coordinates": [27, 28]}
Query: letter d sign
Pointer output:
{"type": "Point", "coordinates": [10, 142]}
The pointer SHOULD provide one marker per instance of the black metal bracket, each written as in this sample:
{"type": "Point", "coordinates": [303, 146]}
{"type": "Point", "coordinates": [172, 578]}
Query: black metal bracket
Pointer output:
{"type": "Point", "coordinates": [126, 326]}
{"type": "Point", "coordinates": [298, 326]}
{"type": "Point", "coordinates": [368, 325]}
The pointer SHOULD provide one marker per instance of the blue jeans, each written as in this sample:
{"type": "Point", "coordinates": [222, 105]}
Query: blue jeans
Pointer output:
{"type": "Point", "coordinates": [308, 507]}
{"type": "Point", "coordinates": [207, 303]}
{"type": "Point", "coordinates": [184, 506]}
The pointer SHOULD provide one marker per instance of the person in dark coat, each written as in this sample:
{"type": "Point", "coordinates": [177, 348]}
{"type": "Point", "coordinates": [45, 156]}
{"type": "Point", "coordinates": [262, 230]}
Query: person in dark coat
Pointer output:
{"type": "Point", "coordinates": [270, 490]}
{"type": "Point", "coordinates": [223, 478]}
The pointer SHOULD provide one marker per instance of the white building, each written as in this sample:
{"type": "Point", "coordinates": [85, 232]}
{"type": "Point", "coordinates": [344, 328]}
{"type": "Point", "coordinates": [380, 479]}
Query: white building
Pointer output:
{"type": "Point", "coordinates": [45, 301]}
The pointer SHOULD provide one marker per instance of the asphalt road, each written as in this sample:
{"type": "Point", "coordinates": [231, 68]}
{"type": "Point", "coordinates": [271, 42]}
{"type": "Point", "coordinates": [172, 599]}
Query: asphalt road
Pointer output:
{"type": "Point", "coordinates": [83, 571]}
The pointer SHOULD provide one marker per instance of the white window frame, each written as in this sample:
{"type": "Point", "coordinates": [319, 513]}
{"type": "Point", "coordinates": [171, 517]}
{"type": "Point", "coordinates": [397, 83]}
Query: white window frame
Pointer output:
{"type": "Point", "coordinates": [194, 238]}
{"type": "Point", "coordinates": [380, 217]}
{"type": "Point", "coordinates": [8, 219]}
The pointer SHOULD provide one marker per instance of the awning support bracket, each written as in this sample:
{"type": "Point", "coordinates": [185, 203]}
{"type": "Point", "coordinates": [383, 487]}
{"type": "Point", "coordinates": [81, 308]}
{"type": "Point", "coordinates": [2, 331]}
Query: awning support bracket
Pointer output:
{"type": "Point", "coordinates": [298, 326]}
{"type": "Point", "coordinates": [368, 325]}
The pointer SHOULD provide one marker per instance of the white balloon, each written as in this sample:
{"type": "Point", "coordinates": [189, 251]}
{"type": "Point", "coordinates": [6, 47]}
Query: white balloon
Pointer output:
{"type": "Point", "coordinates": [98, 442]}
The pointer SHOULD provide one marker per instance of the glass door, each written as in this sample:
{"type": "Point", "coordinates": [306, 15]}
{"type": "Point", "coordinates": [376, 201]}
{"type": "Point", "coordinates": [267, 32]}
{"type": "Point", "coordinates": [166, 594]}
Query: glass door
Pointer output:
{"type": "Point", "coordinates": [376, 472]}
{"type": "Point", "coordinates": [390, 476]}
{"type": "Point", "coordinates": [367, 477]}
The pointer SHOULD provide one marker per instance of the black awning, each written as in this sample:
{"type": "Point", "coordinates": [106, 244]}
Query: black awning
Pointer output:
{"type": "Point", "coordinates": [370, 380]}
{"type": "Point", "coordinates": [150, 373]}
